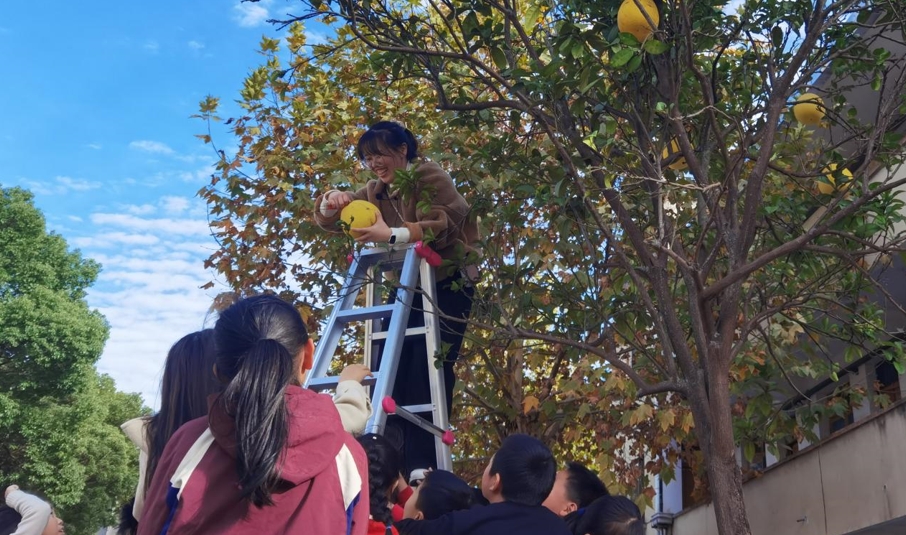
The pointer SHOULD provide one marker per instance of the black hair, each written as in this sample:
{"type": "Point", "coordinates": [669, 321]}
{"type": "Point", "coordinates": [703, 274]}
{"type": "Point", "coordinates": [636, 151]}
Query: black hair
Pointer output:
{"type": "Point", "coordinates": [257, 340]}
{"type": "Point", "coordinates": [9, 520]}
{"type": "Point", "coordinates": [478, 497]}
{"type": "Point", "coordinates": [184, 389]}
{"type": "Point", "coordinates": [386, 135]}
{"type": "Point", "coordinates": [384, 466]}
{"type": "Point", "coordinates": [527, 469]}
{"type": "Point", "coordinates": [128, 524]}
{"type": "Point", "coordinates": [582, 485]}
{"type": "Point", "coordinates": [442, 492]}
{"type": "Point", "coordinates": [609, 515]}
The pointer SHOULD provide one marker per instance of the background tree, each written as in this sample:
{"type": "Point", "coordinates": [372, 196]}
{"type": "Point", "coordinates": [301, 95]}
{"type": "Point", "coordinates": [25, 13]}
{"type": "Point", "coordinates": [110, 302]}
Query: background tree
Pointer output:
{"type": "Point", "coordinates": [59, 418]}
{"type": "Point", "coordinates": [660, 261]}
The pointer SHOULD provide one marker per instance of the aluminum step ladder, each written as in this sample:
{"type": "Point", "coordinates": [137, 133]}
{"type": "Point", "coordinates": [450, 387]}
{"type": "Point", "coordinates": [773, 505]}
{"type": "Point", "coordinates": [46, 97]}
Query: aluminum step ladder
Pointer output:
{"type": "Point", "coordinates": [414, 265]}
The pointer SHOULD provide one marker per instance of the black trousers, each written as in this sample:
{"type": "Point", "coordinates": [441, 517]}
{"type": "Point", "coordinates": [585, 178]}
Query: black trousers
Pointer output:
{"type": "Point", "coordinates": [411, 386]}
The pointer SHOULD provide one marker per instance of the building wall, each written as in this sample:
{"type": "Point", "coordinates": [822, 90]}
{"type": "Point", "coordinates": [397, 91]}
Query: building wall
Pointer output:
{"type": "Point", "coordinates": [855, 480]}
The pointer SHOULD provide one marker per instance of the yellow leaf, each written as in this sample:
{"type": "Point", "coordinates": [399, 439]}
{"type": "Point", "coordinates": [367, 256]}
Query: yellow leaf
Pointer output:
{"type": "Point", "coordinates": [688, 422]}
{"type": "Point", "coordinates": [529, 403]}
{"type": "Point", "coordinates": [666, 419]}
{"type": "Point", "coordinates": [642, 413]}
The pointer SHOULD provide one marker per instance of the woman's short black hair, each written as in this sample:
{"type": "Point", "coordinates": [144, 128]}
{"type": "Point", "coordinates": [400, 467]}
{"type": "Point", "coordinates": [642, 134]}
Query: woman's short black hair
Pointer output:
{"type": "Point", "coordinates": [442, 492]}
{"type": "Point", "coordinates": [527, 470]}
{"type": "Point", "coordinates": [384, 136]}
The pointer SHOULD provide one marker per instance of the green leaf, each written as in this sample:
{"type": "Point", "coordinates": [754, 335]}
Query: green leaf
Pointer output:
{"type": "Point", "coordinates": [621, 58]}
{"type": "Point", "coordinates": [749, 451]}
{"type": "Point", "coordinates": [777, 35]}
{"type": "Point", "coordinates": [654, 47]}
{"type": "Point", "coordinates": [499, 58]}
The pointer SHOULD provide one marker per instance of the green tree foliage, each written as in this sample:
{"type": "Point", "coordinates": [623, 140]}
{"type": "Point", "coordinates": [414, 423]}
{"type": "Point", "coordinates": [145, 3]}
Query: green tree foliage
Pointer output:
{"type": "Point", "coordinates": [659, 260]}
{"type": "Point", "coordinates": [59, 419]}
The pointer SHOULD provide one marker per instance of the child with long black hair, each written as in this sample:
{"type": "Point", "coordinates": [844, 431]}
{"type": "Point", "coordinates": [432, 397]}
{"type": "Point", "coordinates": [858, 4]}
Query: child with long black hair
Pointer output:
{"type": "Point", "coordinates": [383, 474]}
{"type": "Point", "coordinates": [271, 457]}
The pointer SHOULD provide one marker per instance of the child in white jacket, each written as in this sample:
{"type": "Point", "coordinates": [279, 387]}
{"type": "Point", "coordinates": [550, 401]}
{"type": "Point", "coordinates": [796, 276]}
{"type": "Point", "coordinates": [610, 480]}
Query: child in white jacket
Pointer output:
{"type": "Point", "coordinates": [35, 516]}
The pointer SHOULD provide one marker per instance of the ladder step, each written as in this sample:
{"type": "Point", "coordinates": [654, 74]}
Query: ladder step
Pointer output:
{"type": "Point", "coordinates": [412, 331]}
{"type": "Point", "coordinates": [325, 383]}
{"type": "Point", "coordinates": [425, 407]}
{"type": "Point", "coordinates": [362, 314]}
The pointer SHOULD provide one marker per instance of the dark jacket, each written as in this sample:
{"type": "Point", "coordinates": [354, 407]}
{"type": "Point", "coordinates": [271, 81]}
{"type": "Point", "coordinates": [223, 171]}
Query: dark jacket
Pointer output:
{"type": "Point", "coordinates": [324, 474]}
{"type": "Point", "coordinates": [494, 519]}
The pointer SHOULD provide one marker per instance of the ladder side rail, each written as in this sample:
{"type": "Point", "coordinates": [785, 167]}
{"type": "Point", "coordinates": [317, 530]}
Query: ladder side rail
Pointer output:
{"type": "Point", "coordinates": [396, 333]}
{"type": "Point", "coordinates": [435, 374]}
{"type": "Point", "coordinates": [327, 345]}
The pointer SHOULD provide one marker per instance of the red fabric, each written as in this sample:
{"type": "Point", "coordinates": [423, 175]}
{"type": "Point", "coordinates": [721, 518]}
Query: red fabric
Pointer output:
{"type": "Point", "coordinates": [310, 499]}
{"type": "Point", "coordinates": [376, 527]}
{"type": "Point", "coordinates": [401, 499]}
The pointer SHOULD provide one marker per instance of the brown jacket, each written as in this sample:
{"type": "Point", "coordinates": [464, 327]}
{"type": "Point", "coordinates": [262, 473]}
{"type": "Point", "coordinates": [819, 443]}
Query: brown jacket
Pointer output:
{"type": "Point", "coordinates": [455, 233]}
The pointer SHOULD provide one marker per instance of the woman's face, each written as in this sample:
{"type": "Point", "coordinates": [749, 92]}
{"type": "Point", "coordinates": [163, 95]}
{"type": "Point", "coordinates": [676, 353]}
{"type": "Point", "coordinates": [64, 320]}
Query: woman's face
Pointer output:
{"type": "Point", "coordinates": [385, 165]}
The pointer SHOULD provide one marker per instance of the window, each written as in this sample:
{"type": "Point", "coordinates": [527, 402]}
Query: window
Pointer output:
{"type": "Point", "coordinates": [887, 384]}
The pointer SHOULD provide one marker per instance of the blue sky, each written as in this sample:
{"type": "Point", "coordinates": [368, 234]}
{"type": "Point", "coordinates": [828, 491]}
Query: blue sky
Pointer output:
{"type": "Point", "coordinates": [94, 119]}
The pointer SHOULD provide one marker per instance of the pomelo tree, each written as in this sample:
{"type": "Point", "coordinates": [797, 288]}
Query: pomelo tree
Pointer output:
{"type": "Point", "coordinates": [667, 249]}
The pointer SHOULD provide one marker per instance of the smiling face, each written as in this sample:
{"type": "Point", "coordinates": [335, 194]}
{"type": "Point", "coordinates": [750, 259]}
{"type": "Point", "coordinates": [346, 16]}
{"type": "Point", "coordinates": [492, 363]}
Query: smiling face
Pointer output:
{"type": "Point", "coordinates": [385, 164]}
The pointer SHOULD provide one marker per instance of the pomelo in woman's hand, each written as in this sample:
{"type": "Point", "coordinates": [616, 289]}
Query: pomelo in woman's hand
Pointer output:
{"type": "Point", "coordinates": [359, 214]}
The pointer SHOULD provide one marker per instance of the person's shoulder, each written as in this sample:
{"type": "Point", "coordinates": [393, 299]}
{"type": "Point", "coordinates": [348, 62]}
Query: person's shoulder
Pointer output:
{"type": "Point", "coordinates": [134, 430]}
{"type": "Point", "coordinates": [430, 170]}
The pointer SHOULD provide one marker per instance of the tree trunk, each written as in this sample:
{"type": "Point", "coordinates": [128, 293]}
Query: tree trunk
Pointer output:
{"type": "Point", "coordinates": [712, 408]}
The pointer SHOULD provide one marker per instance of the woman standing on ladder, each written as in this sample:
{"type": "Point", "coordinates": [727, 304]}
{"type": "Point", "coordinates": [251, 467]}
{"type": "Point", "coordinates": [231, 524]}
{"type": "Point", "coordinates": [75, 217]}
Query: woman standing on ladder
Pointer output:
{"type": "Point", "coordinates": [391, 153]}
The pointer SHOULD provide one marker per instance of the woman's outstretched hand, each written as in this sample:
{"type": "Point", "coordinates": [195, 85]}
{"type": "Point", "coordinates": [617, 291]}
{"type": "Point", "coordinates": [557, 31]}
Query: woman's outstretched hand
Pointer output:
{"type": "Point", "coordinates": [337, 200]}
{"type": "Point", "coordinates": [379, 232]}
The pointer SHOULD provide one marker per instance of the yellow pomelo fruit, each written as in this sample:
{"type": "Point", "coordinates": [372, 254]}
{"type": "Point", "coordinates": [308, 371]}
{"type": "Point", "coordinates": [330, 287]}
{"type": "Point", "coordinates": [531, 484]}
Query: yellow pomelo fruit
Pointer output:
{"type": "Point", "coordinates": [809, 109]}
{"type": "Point", "coordinates": [680, 163]}
{"type": "Point", "coordinates": [830, 187]}
{"type": "Point", "coordinates": [359, 214]}
{"type": "Point", "coordinates": [631, 20]}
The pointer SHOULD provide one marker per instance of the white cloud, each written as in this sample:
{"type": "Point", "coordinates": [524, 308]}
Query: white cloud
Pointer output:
{"type": "Point", "coordinates": [174, 205]}
{"type": "Point", "coordinates": [176, 227]}
{"type": "Point", "coordinates": [75, 218]}
{"type": "Point", "coordinates": [249, 15]}
{"type": "Point", "coordinates": [149, 287]}
{"type": "Point", "coordinates": [315, 38]}
{"type": "Point", "coordinates": [140, 209]}
{"type": "Point", "coordinates": [114, 239]}
{"type": "Point", "coordinates": [155, 147]}
{"type": "Point", "coordinates": [61, 185]}
{"type": "Point", "coordinates": [196, 45]}
{"type": "Point", "coordinates": [151, 46]}
{"type": "Point", "coordinates": [95, 146]}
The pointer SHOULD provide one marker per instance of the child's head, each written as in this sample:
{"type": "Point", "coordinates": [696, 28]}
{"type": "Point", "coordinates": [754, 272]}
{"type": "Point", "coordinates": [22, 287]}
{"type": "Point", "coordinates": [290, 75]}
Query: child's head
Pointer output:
{"type": "Point", "coordinates": [522, 471]}
{"type": "Point", "coordinates": [439, 493]}
{"type": "Point", "coordinates": [10, 518]}
{"type": "Point", "coordinates": [574, 488]}
{"type": "Point", "coordinates": [384, 466]}
{"type": "Point", "coordinates": [610, 515]}
{"type": "Point", "coordinates": [187, 382]}
{"type": "Point", "coordinates": [262, 346]}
